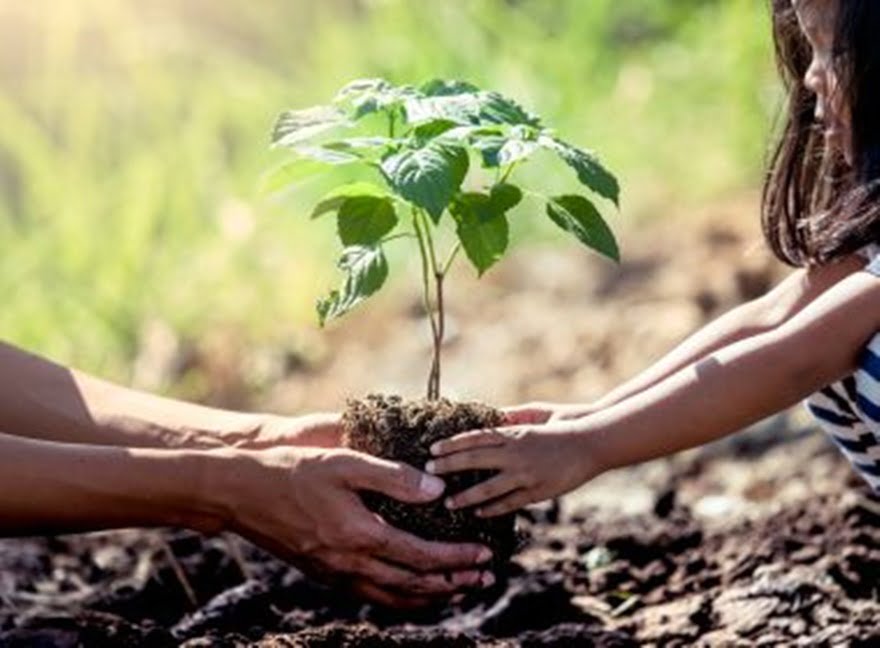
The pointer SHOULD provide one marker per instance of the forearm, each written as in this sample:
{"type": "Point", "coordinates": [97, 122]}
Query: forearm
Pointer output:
{"type": "Point", "coordinates": [42, 400]}
{"type": "Point", "coordinates": [50, 487]}
{"type": "Point", "coordinates": [743, 383]}
{"type": "Point", "coordinates": [738, 324]}
{"type": "Point", "coordinates": [759, 316]}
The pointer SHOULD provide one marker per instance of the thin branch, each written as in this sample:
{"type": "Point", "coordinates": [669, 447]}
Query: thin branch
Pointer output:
{"type": "Point", "coordinates": [180, 574]}
{"type": "Point", "coordinates": [441, 332]}
{"type": "Point", "coordinates": [430, 241]}
{"type": "Point", "coordinates": [426, 297]}
{"type": "Point", "coordinates": [448, 263]}
{"type": "Point", "coordinates": [396, 237]}
{"type": "Point", "coordinates": [507, 173]}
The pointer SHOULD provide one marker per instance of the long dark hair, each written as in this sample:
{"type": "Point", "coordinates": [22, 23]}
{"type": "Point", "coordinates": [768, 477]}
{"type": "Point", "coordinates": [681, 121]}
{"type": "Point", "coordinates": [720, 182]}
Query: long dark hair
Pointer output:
{"type": "Point", "coordinates": [816, 207]}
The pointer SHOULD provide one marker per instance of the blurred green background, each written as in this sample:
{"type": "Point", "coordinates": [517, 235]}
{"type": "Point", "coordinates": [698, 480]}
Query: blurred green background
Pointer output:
{"type": "Point", "coordinates": [133, 135]}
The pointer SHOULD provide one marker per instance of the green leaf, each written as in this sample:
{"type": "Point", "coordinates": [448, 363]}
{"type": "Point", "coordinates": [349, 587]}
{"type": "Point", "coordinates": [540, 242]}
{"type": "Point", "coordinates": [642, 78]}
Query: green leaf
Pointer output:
{"type": "Point", "coordinates": [288, 173]}
{"type": "Point", "coordinates": [367, 149]}
{"type": "Point", "coordinates": [361, 87]}
{"type": "Point", "coordinates": [364, 220]}
{"type": "Point", "coordinates": [429, 130]}
{"type": "Point", "coordinates": [360, 143]}
{"type": "Point", "coordinates": [496, 108]}
{"type": "Point", "coordinates": [579, 217]}
{"type": "Point", "coordinates": [445, 87]}
{"type": "Point", "coordinates": [296, 126]}
{"type": "Point", "coordinates": [367, 96]}
{"type": "Point", "coordinates": [333, 200]}
{"type": "Point", "coordinates": [462, 109]}
{"type": "Point", "coordinates": [505, 196]}
{"type": "Point", "coordinates": [482, 229]}
{"type": "Point", "coordinates": [327, 155]}
{"type": "Point", "coordinates": [589, 170]}
{"type": "Point", "coordinates": [366, 271]}
{"type": "Point", "coordinates": [428, 177]}
{"type": "Point", "coordinates": [489, 146]}
{"type": "Point", "coordinates": [501, 151]}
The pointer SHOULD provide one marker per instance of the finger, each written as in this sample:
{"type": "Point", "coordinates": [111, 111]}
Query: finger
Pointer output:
{"type": "Point", "coordinates": [513, 502]}
{"type": "Point", "coordinates": [526, 415]}
{"type": "Point", "coordinates": [397, 480]}
{"type": "Point", "coordinates": [388, 598]}
{"type": "Point", "coordinates": [488, 490]}
{"type": "Point", "coordinates": [407, 581]}
{"type": "Point", "coordinates": [468, 441]}
{"type": "Point", "coordinates": [406, 549]}
{"type": "Point", "coordinates": [467, 460]}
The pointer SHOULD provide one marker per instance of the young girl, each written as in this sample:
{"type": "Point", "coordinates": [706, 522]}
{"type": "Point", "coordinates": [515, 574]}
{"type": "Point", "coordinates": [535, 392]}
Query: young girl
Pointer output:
{"type": "Point", "coordinates": [814, 335]}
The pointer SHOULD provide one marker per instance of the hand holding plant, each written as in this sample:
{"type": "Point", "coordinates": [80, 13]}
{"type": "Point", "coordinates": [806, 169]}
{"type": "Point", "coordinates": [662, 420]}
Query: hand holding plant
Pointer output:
{"type": "Point", "coordinates": [538, 413]}
{"type": "Point", "coordinates": [438, 163]}
{"type": "Point", "coordinates": [533, 463]}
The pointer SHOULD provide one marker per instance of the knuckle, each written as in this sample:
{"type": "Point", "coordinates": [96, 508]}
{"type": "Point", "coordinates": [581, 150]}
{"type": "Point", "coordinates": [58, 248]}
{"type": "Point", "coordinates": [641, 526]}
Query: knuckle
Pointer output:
{"type": "Point", "coordinates": [447, 464]}
{"type": "Point", "coordinates": [407, 478]}
{"type": "Point", "coordinates": [377, 539]}
{"type": "Point", "coordinates": [435, 584]}
{"type": "Point", "coordinates": [354, 534]}
{"type": "Point", "coordinates": [336, 562]}
{"type": "Point", "coordinates": [358, 564]}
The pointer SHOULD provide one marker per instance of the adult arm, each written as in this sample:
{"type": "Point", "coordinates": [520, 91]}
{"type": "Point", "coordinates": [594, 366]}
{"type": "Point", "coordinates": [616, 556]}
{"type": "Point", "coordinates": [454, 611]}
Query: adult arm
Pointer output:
{"type": "Point", "coordinates": [43, 400]}
{"type": "Point", "coordinates": [300, 503]}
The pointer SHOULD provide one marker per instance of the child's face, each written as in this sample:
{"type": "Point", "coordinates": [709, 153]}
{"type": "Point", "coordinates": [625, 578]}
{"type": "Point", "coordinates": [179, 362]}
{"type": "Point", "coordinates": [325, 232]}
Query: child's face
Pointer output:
{"type": "Point", "coordinates": [817, 20]}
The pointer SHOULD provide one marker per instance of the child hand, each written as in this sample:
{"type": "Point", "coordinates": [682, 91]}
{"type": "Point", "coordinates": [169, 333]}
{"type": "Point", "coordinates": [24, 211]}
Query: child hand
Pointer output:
{"type": "Point", "coordinates": [539, 413]}
{"type": "Point", "coordinates": [534, 463]}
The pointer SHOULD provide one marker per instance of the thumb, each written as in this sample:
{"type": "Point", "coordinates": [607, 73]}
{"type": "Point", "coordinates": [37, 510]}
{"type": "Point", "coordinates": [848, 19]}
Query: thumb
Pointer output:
{"type": "Point", "coordinates": [526, 415]}
{"type": "Point", "coordinates": [395, 479]}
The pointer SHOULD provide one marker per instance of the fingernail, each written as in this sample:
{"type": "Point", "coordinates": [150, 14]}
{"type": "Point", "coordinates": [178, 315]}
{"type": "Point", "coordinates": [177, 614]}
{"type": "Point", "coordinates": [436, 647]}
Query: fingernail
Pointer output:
{"type": "Point", "coordinates": [449, 503]}
{"type": "Point", "coordinates": [435, 449]}
{"type": "Point", "coordinates": [484, 556]}
{"type": "Point", "coordinates": [432, 486]}
{"type": "Point", "coordinates": [430, 466]}
{"type": "Point", "coordinates": [458, 598]}
{"type": "Point", "coordinates": [488, 580]}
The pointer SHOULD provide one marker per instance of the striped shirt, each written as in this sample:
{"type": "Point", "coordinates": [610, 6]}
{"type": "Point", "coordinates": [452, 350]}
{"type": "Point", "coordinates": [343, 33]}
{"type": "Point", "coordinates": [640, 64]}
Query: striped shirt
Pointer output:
{"type": "Point", "coordinates": [849, 410]}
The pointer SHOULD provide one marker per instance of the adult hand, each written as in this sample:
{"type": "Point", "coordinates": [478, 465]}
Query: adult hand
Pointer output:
{"type": "Point", "coordinates": [302, 504]}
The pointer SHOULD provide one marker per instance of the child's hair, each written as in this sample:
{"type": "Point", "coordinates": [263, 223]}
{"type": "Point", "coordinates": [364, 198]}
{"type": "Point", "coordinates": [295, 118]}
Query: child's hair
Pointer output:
{"type": "Point", "coordinates": [817, 208]}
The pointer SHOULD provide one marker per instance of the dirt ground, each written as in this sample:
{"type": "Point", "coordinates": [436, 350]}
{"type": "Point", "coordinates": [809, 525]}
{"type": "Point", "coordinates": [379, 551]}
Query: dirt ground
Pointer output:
{"type": "Point", "coordinates": [766, 538]}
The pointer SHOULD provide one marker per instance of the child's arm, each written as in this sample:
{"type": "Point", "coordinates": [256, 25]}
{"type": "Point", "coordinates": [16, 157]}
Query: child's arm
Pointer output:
{"type": "Point", "coordinates": [752, 318]}
{"type": "Point", "coordinates": [726, 391]}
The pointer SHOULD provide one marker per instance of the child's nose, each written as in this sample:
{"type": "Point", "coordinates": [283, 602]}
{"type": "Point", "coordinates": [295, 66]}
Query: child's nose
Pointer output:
{"type": "Point", "coordinates": [813, 78]}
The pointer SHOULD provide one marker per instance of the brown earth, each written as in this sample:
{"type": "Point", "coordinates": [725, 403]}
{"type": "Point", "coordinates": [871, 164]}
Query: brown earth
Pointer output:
{"type": "Point", "coordinates": [404, 430]}
{"type": "Point", "coordinates": [766, 538]}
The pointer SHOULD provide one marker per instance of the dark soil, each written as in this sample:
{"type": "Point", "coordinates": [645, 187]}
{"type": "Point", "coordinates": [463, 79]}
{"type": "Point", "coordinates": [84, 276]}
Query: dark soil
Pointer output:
{"type": "Point", "coordinates": [392, 428]}
{"type": "Point", "coordinates": [764, 540]}
{"type": "Point", "coordinates": [806, 575]}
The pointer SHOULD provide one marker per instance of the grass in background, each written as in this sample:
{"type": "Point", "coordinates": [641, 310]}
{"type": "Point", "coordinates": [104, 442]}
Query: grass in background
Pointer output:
{"type": "Point", "coordinates": [132, 137]}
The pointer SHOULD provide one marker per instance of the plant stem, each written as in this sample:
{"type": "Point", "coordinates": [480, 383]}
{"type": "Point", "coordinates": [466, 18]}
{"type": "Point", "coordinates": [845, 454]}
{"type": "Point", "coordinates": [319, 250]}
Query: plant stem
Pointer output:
{"type": "Point", "coordinates": [507, 173]}
{"type": "Point", "coordinates": [448, 263]}
{"type": "Point", "coordinates": [398, 236]}
{"type": "Point", "coordinates": [427, 267]}
{"type": "Point", "coordinates": [439, 315]}
{"type": "Point", "coordinates": [430, 240]}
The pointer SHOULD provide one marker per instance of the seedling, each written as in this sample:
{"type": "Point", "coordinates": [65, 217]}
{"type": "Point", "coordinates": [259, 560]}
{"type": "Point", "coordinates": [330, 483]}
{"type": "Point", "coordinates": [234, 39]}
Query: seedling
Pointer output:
{"type": "Point", "coordinates": [420, 144]}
